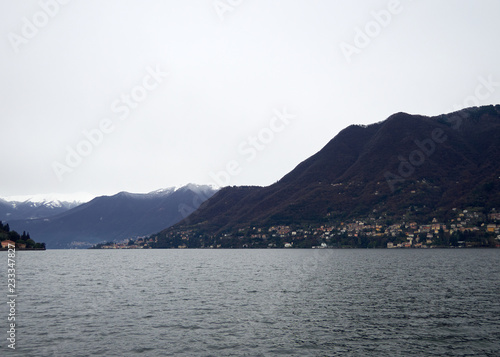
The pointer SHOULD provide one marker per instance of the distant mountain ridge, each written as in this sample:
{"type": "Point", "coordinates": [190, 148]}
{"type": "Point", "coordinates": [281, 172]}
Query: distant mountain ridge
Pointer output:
{"type": "Point", "coordinates": [117, 217]}
{"type": "Point", "coordinates": [405, 167]}
{"type": "Point", "coordinates": [32, 209]}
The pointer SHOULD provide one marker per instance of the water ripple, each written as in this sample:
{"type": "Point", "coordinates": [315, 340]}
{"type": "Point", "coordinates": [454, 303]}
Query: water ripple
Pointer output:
{"type": "Point", "coordinates": [258, 303]}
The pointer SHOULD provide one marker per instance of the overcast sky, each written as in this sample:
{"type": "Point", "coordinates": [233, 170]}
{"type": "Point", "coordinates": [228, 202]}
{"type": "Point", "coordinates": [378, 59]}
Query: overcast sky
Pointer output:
{"type": "Point", "coordinates": [106, 96]}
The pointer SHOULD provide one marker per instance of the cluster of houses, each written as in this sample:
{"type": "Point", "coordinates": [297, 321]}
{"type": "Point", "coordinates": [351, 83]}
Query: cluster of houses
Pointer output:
{"type": "Point", "coordinates": [400, 235]}
{"type": "Point", "coordinates": [405, 234]}
{"type": "Point", "coordinates": [139, 243]}
{"type": "Point", "coordinates": [425, 235]}
{"type": "Point", "coordinates": [8, 243]}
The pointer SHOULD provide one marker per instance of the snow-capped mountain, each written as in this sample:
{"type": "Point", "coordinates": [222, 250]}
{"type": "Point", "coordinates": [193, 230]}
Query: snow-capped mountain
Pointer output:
{"type": "Point", "coordinates": [79, 197]}
{"type": "Point", "coordinates": [37, 206]}
{"type": "Point", "coordinates": [106, 218]}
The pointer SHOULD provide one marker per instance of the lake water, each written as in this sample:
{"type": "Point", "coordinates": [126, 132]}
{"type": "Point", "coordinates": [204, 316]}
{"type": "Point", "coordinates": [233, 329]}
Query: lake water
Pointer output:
{"type": "Point", "coordinates": [255, 303]}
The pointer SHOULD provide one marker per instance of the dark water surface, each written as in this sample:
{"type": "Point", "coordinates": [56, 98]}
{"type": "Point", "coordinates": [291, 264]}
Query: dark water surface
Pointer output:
{"type": "Point", "coordinates": [255, 303]}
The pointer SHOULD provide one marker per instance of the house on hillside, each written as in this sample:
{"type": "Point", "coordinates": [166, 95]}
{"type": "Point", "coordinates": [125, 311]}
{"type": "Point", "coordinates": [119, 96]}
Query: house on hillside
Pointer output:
{"type": "Point", "coordinates": [5, 243]}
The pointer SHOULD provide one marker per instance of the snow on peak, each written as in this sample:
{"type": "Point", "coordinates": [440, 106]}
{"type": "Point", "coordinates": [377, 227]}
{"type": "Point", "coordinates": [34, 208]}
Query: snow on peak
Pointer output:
{"type": "Point", "coordinates": [54, 199]}
{"type": "Point", "coordinates": [63, 199]}
{"type": "Point", "coordinates": [163, 191]}
{"type": "Point", "coordinates": [196, 188]}
{"type": "Point", "coordinates": [190, 186]}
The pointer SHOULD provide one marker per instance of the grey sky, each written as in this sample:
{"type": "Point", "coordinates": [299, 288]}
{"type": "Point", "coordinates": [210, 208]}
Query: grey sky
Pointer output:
{"type": "Point", "coordinates": [234, 68]}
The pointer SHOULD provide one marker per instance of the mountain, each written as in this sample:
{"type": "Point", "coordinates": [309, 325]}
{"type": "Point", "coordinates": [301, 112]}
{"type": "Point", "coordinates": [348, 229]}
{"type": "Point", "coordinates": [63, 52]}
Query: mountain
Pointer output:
{"type": "Point", "coordinates": [124, 215]}
{"type": "Point", "coordinates": [16, 208]}
{"type": "Point", "coordinates": [407, 167]}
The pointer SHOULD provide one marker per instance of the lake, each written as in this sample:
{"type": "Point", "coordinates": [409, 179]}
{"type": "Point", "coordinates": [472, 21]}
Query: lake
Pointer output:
{"type": "Point", "coordinates": [318, 302]}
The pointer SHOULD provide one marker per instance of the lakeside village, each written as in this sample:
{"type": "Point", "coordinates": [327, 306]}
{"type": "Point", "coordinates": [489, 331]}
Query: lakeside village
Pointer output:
{"type": "Point", "coordinates": [11, 239]}
{"type": "Point", "coordinates": [467, 230]}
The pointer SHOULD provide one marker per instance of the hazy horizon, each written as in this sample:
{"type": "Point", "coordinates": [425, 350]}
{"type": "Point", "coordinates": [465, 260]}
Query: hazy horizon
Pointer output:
{"type": "Point", "coordinates": [138, 96]}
